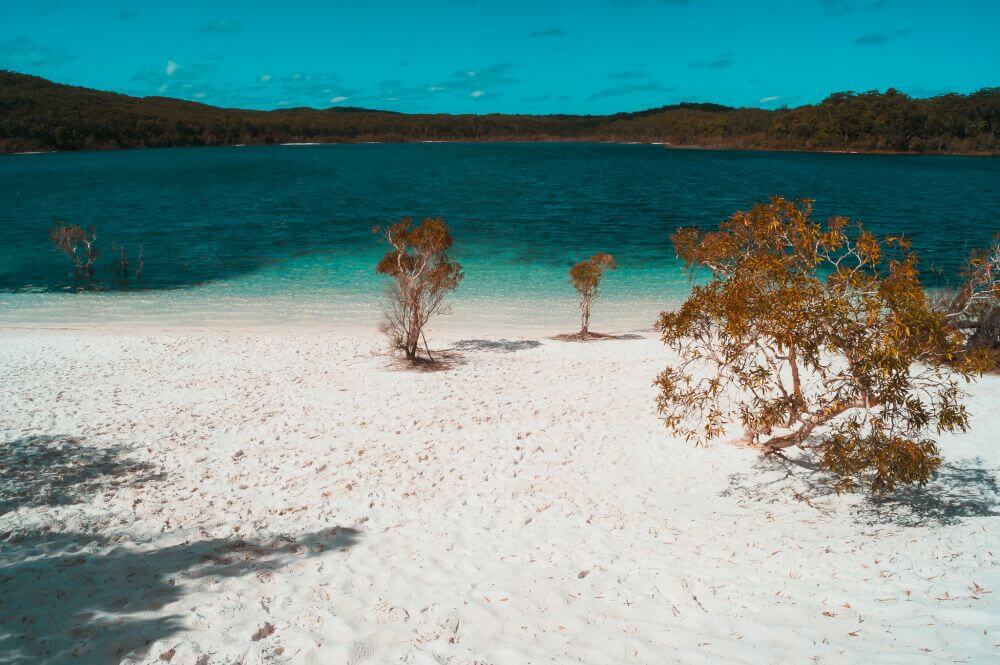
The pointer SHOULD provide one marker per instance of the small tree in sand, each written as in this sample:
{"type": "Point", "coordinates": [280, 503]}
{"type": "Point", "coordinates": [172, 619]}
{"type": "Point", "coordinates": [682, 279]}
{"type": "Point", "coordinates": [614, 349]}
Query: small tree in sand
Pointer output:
{"type": "Point", "coordinates": [79, 245]}
{"type": "Point", "coordinates": [817, 337]}
{"type": "Point", "coordinates": [586, 279]}
{"type": "Point", "coordinates": [422, 275]}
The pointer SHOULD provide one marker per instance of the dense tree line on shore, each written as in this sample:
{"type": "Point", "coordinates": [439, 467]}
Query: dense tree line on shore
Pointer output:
{"type": "Point", "coordinates": [36, 114]}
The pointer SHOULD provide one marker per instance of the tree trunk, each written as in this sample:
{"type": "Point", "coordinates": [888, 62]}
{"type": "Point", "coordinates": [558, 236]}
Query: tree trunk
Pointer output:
{"type": "Point", "coordinates": [799, 436]}
{"type": "Point", "coordinates": [413, 336]}
{"type": "Point", "coordinates": [585, 317]}
{"type": "Point", "coordinates": [797, 400]}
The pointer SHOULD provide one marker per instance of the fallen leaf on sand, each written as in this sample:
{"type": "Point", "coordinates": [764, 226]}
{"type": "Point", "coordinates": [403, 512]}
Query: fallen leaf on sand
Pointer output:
{"type": "Point", "coordinates": [262, 632]}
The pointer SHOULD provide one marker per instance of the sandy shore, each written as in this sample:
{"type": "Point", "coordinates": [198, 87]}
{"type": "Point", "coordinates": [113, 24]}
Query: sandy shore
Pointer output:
{"type": "Point", "coordinates": [293, 497]}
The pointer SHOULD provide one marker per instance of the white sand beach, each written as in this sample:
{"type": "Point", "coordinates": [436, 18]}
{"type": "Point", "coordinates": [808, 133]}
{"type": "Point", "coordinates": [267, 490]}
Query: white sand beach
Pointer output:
{"type": "Point", "coordinates": [294, 497]}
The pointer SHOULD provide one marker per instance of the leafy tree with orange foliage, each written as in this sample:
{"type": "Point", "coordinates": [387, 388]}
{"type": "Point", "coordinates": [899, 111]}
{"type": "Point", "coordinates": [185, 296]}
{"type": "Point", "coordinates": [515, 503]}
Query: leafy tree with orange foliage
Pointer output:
{"type": "Point", "coordinates": [816, 336]}
{"type": "Point", "coordinates": [586, 278]}
{"type": "Point", "coordinates": [422, 274]}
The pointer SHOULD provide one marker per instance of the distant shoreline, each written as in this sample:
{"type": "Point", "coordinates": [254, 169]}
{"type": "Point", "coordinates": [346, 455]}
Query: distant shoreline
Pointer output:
{"type": "Point", "coordinates": [663, 144]}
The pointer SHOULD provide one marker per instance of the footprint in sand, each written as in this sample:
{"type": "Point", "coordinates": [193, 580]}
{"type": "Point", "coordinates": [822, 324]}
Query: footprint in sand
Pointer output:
{"type": "Point", "coordinates": [362, 651]}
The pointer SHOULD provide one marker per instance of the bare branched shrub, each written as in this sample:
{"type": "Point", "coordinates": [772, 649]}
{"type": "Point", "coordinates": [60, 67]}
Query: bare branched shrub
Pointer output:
{"type": "Point", "coordinates": [422, 275]}
{"type": "Point", "coordinates": [77, 244]}
{"type": "Point", "coordinates": [974, 308]}
{"type": "Point", "coordinates": [586, 279]}
{"type": "Point", "coordinates": [814, 336]}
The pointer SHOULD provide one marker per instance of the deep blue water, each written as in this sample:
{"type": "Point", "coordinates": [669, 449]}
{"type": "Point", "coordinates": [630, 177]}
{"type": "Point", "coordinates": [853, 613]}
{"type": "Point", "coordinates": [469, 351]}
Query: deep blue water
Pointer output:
{"type": "Point", "coordinates": [282, 220]}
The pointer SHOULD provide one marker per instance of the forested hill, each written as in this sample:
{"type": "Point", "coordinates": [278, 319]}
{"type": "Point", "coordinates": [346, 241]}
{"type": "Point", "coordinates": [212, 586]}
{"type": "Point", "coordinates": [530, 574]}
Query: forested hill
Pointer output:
{"type": "Point", "coordinates": [36, 114]}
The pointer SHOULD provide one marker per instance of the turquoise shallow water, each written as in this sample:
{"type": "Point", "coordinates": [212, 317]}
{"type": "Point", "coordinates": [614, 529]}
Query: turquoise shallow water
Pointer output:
{"type": "Point", "coordinates": [282, 234]}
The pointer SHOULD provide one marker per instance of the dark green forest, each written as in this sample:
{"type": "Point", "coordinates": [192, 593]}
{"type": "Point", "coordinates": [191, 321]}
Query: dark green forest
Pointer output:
{"type": "Point", "coordinates": [37, 114]}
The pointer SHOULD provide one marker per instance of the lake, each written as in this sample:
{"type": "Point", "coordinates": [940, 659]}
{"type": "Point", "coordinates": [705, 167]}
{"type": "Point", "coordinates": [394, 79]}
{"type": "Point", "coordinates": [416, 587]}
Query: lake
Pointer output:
{"type": "Point", "coordinates": [280, 234]}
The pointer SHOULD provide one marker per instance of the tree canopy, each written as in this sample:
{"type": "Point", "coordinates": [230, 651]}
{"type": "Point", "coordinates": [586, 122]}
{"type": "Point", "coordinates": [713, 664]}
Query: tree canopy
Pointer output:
{"type": "Point", "coordinates": [816, 336]}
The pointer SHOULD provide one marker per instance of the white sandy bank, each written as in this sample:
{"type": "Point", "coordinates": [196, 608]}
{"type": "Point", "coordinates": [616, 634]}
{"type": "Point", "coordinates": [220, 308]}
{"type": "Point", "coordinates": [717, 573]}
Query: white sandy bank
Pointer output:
{"type": "Point", "coordinates": [227, 497]}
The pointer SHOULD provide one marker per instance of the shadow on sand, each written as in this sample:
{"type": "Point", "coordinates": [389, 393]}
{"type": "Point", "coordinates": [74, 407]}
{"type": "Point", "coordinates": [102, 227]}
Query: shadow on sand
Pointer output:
{"type": "Point", "coordinates": [76, 597]}
{"type": "Point", "coordinates": [438, 361]}
{"type": "Point", "coordinates": [67, 596]}
{"type": "Point", "coordinates": [958, 490]}
{"type": "Point", "coordinates": [58, 470]}
{"type": "Point", "coordinates": [594, 337]}
{"type": "Point", "coordinates": [498, 345]}
{"type": "Point", "coordinates": [447, 359]}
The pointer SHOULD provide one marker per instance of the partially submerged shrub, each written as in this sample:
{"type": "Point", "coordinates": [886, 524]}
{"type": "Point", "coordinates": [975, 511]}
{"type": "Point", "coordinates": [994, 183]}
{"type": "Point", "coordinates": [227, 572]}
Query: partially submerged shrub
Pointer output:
{"type": "Point", "coordinates": [78, 244]}
{"type": "Point", "coordinates": [422, 274]}
{"type": "Point", "coordinates": [586, 279]}
{"type": "Point", "coordinates": [125, 269]}
{"type": "Point", "coordinates": [814, 336]}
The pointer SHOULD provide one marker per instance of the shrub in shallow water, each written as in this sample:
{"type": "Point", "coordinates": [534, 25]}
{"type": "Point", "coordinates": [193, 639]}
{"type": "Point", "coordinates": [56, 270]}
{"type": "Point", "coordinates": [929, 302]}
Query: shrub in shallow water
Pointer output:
{"type": "Point", "coordinates": [78, 244]}
{"type": "Point", "coordinates": [816, 336]}
{"type": "Point", "coordinates": [125, 270]}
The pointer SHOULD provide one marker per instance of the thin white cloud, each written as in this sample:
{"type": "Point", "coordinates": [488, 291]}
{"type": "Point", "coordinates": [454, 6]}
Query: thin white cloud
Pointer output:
{"type": "Point", "coordinates": [766, 100]}
{"type": "Point", "coordinates": [550, 32]}
{"type": "Point", "coordinates": [629, 74]}
{"type": "Point", "coordinates": [222, 27]}
{"type": "Point", "coordinates": [724, 61]}
{"type": "Point", "coordinates": [876, 38]}
{"type": "Point", "coordinates": [476, 83]}
{"type": "Point", "coordinates": [264, 78]}
{"type": "Point", "coordinates": [629, 89]}
{"type": "Point", "coordinates": [338, 99]}
{"type": "Point", "coordinates": [22, 52]}
{"type": "Point", "coordinates": [171, 67]}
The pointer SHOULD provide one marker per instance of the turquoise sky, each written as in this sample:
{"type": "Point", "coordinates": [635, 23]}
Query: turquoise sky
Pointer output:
{"type": "Point", "coordinates": [543, 56]}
